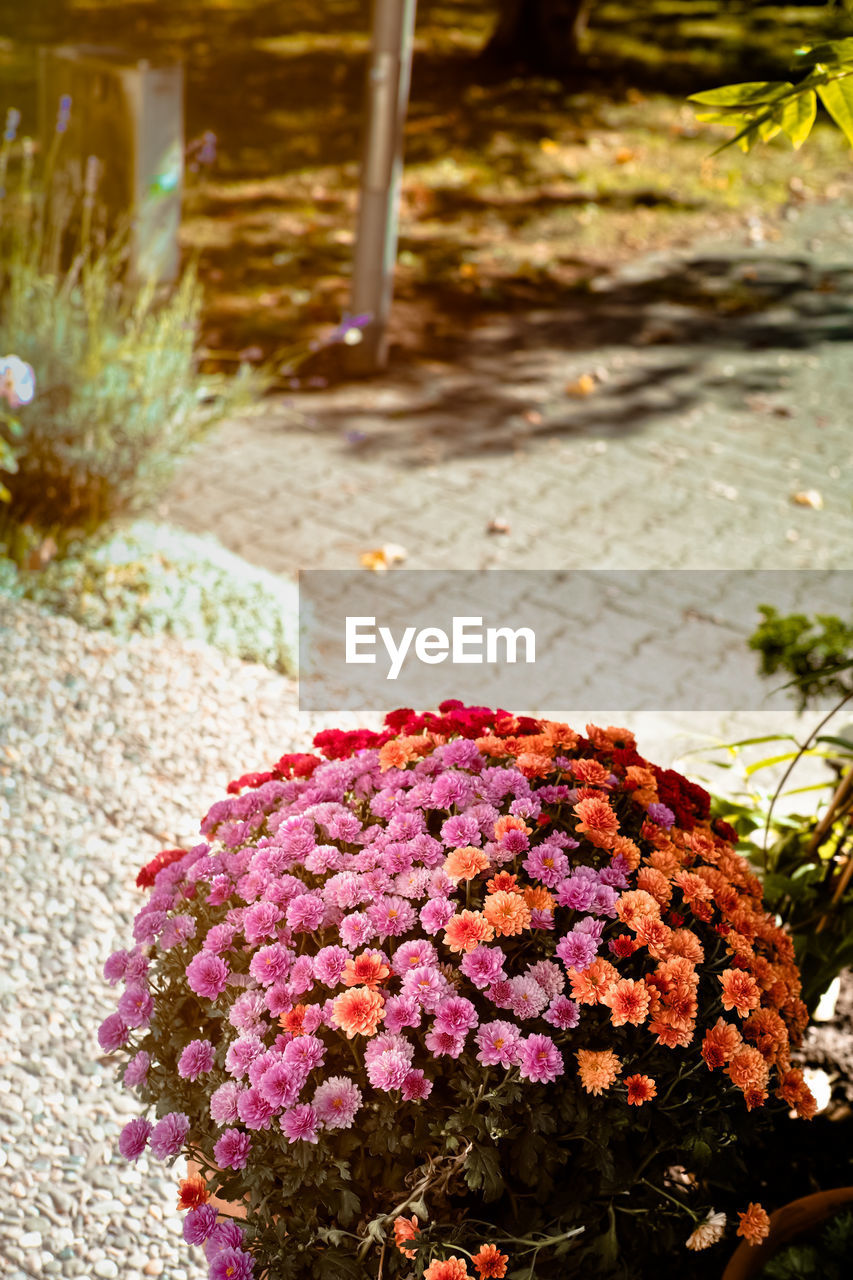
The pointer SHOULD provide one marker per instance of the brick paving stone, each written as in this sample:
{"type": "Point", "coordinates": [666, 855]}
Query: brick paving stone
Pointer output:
{"type": "Point", "coordinates": [687, 455]}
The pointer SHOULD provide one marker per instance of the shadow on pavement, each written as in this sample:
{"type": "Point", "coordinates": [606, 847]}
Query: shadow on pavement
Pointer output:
{"type": "Point", "coordinates": [652, 345]}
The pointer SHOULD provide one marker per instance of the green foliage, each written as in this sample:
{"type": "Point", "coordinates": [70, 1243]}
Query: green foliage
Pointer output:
{"type": "Point", "coordinates": [803, 859]}
{"type": "Point", "coordinates": [760, 110]}
{"type": "Point", "coordinates": [8, 452]}
{"type": "Point", "coordinates": [816, 652]}
{"type": "Point", "coordinates": [826, 1258]}
{"type": "Point", "coordinates": [119, 398]}
{"type": "Point", "coordinates": [154, 580]}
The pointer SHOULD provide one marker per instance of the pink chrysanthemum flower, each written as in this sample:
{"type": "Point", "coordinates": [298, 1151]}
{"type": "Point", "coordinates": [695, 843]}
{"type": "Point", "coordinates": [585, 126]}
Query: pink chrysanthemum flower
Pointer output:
{"type": "Point", "coordinates": [196, 1059]}
{"type": "Point", "coordinates": [483, 966]}
{"type": "Point", "coordinates": [336, 1102]}
{"type": "Point", "coordinates": [498, 1044]}
{"type": "Point", "coordinates": [416, 1087]}
{"type": "Point", "coordinates": [387, 1070]}
{"type": "Point", "coordinates": [455, 1015]}
{"type": "Point", "coordinates": [232, 1149]}
{"type": "Point", "coordinates": [299, 1124]}
{"type": "Point", "coordinates": [539, 1059]}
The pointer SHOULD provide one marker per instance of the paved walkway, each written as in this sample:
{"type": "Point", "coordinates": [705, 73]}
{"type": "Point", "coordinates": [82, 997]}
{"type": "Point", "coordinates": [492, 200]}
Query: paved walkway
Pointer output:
{"type": "Point", "coordinates": [718, 383]}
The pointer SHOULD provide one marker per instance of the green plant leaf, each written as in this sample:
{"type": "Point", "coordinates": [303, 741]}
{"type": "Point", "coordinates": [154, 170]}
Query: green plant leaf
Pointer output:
{"type": "Point", "coordinates": [837, 97]}
{"type": "Point", "coordinates": [799, 116]}
{"type": "Point", "coordinates": [833, 51]}
{"type": "Point", "coordinates": [780, 759]}
{"type": "Point", "coordinates": [755, 93]}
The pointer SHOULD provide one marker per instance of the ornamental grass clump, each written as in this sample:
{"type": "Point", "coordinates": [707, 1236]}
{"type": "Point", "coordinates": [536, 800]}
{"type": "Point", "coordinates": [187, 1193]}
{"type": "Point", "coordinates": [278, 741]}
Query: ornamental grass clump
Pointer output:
{"type": "Point", "coordinates": [476, 995]}
{"type": "Point", "coordinates": [121, 399]}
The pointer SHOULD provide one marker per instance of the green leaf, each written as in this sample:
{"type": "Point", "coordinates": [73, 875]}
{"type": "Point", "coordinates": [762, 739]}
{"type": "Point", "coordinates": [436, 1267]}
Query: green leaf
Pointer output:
{"type": "Point", "coordinates": [780, 759]}
{"type": "Point", "coordinates": [754, 93]}
{"type": "Point", "coordinates": [837, 97]}
{"type": "Point", "coordinates": [836, 51]}
{"type": "Point", "coordinates": [799, 116]}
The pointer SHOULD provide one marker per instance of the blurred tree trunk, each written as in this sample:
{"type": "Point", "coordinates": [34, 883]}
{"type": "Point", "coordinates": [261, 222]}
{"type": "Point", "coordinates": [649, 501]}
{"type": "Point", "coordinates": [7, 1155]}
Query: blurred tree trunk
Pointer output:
{"type": "Point", "coordinates": [542, 34]}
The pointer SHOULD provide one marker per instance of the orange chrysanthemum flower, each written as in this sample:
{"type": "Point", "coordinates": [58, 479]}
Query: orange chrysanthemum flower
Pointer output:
{"type": "Point", "coordinates": [559, 735]}
{"type": "Point", "coordinates": [628, 1001]}
{"type": "Point", "coordinates": [503, 880]}
{"type": "Point", "coordinates": [507, 913]}
{"type": "Point", "coordinates": [489, 1262]}
{"type": "Point", "coordinates": [683, 942]}
{"type": "Point", "coordinates": [747, 1068]}
{"type": "Point", "coordinates": [652, 881]}
{"type": "Point", "coordinates": [465, 863]}
{"type": "Point", "coordinates": [646, 785]}
{"type": "Point", "coordinates": [612, 736]}
{"type": "Point", "coordinates": [654, 935]}
{"type": "Point", "coordinates": [591, 772]}
{"type": "Point", "coordinates": [535, 764]}
{"type": "Point", "coordinates": [490, 745]}
{"type": "Point", "coordinates": [358, 1011]}
{"type": "Point", "coordinates": [366, 970]}
{"type": "Point", "coordinates": [721, 1042]}
{"type": "Point", "coordinates": [754, 1224]}
{"type": "Point", "coordinates": [598, 822]}
{"type": "Point", "coordinates": [406, 1229]}
{"type": "Point", "coordinates": [467, 929]}
{"type": "Point", "coordinates": [670, 1031]}
{"type": "Point", "coordinates": [665, 859]}
{"type": "Point", "coordinates": [637, 905]}
{"type": "Point", "coordinates": [510, 823]}
{"type": "Point", "coordinates": [740, 991]}
{"type": "Point", "coordinates": [399, 751]}
{"type": "Point", "coordinates": [693, 887]}
{"type": "Point", "coordinates": [623, 847]}
{"type": "Point", "coordinates": [193, 1192]}
{"type": "Point", "coordinates": [292, 1020]}
{"type": "Point", "coordinates": [538, 898]}
{"type": "Point", "coordinates": [597, 1069]}
{"type": "Point", "coordinates": [447, 1269]}
{"type": "Point", "coordinates": [593, 984]}
{"type": "Point", "coordinates": [640, 1089]}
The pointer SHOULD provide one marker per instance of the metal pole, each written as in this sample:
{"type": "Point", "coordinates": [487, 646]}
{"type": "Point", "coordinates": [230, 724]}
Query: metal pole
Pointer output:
{"type": "Point", "coordinates": [376, 239]}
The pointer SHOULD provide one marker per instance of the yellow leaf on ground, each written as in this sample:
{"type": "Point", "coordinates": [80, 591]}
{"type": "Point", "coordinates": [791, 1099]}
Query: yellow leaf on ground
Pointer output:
{"type": "Point", "coordinates": [381, 558]}
{"type": "Point", "coordinates": [582, 386]}
{"type": "Point", "coordinates": [808, 498]}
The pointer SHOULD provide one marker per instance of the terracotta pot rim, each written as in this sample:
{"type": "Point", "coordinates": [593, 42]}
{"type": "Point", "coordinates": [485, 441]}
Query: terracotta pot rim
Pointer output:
{"type": "Point", "coordinates": [786, 1224]}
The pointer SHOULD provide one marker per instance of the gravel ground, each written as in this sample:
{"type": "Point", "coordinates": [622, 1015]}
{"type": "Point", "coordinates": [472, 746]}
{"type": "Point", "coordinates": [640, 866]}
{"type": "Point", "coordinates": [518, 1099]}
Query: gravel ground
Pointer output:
{"type": "Point", "coordinates": [109, 752]}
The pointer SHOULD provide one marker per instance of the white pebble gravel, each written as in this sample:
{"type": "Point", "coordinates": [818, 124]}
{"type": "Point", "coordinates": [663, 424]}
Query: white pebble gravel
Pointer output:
{"type": "Point", "coordinates": [109, 752]}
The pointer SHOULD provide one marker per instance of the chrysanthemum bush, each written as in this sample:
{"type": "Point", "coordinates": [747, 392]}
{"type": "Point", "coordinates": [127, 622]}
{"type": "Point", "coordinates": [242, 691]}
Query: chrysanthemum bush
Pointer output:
{"type": "Point", "coordinates": [474, 995]}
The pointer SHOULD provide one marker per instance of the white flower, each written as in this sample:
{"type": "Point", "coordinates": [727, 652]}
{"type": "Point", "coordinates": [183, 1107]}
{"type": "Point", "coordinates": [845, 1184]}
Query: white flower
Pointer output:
{"type": "Point", "coordinates": [17, 381]}
{"type": "Point", "coordinates": [708, 1232]}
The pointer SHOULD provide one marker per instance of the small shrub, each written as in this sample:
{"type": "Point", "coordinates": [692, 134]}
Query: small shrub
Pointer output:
{"type": "Point", "coordinates": [120, 399]}
{"type": "Point", "coordinates": [154, 580]}
{"type": "Point", "coordinates": [817, 653]}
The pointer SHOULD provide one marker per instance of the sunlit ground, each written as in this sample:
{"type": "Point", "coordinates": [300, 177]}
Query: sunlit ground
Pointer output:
{"type": "Point", "coordinates": [516, 189]}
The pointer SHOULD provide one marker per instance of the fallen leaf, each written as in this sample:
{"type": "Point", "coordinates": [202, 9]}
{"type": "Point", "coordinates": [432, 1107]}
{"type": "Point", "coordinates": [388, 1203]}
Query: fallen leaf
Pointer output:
{"type": "Point", "coordinates": [549, 146]}
{"type": "Point", "coordinates": [382, 558]}
{"type": "Point", "coordinates": [497, 525]}
{"type": "Point", "coordinates": [624, 155]}
{"type": "Point", "coordinates": [533, 416]}
{"type": "Point", "coordinates": [582, 386]}
{"type": "Point", "coordinates": [42, 554]}
{"type": "Point", "coordinates": [808, 498]}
